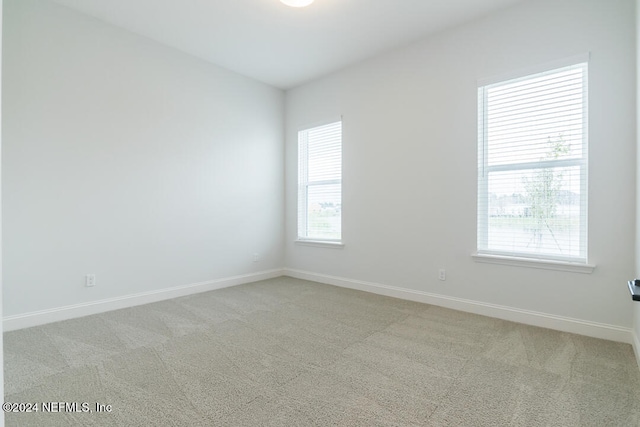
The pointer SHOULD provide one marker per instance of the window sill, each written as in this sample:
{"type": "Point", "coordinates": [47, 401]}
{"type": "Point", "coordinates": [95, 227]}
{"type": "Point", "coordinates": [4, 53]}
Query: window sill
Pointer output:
{"type": "Point", "coordinates": [320, 244]}
{"type": "Point", "coordinates": [572, 267]}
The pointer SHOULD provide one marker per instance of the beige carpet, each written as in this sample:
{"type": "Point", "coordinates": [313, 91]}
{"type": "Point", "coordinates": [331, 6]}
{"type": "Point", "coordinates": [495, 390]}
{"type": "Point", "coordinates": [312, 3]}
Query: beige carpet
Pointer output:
{"type": "Point", "coordinates": [287, 352]}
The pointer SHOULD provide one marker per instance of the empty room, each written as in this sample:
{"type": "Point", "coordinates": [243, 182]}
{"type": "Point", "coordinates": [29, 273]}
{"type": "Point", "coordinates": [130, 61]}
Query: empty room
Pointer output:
{"type": "Point", "coordinates": [320, 212]}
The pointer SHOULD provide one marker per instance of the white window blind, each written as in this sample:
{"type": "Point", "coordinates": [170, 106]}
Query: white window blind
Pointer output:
{"type": "Point", "coordinates": [320, 183]}
{"type": "Point", "coordinates": [532, 166]}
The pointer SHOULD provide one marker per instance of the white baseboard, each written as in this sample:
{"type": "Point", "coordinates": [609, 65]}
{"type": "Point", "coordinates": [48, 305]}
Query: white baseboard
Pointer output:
{"type": "Point", "coordinates": [565, 324]}
{"type": "Point", "coordinates": [11, 323]}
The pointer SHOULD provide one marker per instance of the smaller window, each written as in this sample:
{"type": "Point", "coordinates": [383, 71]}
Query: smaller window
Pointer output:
{"type": "Point", "coordinates": [320, 183]}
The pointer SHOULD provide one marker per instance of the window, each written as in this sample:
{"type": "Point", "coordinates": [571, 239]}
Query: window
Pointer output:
{"type": "Point", "coordinates": [532, 166]}
{"type": "Point", "coordinates": [320, 183]}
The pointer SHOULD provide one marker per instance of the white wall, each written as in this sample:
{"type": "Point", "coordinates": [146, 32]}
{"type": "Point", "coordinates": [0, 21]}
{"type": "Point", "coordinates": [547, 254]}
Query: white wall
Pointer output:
{"type": "Point", "coordinates": [152, 169]}
{"type": "Point", "coordinates": [130, 160]}
{"type": "Point", "coordinates": [409, 120]}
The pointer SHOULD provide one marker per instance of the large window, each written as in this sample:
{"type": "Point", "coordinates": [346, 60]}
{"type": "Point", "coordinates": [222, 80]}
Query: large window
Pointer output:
{"type": "Point", "coordinates": [320, 183]}
{"type": "Point", "coordinates": [532, 166]}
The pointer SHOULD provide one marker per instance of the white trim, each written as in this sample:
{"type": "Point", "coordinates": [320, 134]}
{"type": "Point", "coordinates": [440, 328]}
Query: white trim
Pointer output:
{"type": "Point", "coordinates": [572, 267]}
{"type": "Point", "coordinates": [544, 320]}
{"type": "Point", "coordinates": [320, 243]}
{"type": "Point", "coordinates": [20, 321]}
{"type": "Point", "coordinates": [535, 69]}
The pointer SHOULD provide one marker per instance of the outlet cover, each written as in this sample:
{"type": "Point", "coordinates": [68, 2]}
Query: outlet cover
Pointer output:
{"type": "Point", "coordinates": [90, 280]}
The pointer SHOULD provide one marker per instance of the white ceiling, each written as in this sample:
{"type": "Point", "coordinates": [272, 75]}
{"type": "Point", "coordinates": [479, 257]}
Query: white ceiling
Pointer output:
{"type": "Point", "coordinates": [280, 45]}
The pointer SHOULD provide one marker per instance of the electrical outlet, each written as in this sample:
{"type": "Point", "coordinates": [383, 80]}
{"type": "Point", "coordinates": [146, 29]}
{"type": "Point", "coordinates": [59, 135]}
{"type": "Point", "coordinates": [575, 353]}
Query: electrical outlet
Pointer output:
{"type": "Point", "coordinates": [256, 257]}
{"type": "Point", "coordinates": [90, 280]}
{"type": "Point", "coordinates": [442, 274]}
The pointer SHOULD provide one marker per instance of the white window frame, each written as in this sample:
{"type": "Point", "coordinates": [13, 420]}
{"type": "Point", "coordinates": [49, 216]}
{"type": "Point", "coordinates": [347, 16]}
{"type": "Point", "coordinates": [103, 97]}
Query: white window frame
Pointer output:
{"type": "Point", "coordinates": [527, 259]}
{"type": "Point", "coordinates": [303, 186]}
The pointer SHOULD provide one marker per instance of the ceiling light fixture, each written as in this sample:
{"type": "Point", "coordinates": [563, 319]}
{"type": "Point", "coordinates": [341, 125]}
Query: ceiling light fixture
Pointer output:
{"type": "Point", "coordinates": [297, 3]}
